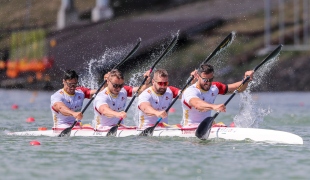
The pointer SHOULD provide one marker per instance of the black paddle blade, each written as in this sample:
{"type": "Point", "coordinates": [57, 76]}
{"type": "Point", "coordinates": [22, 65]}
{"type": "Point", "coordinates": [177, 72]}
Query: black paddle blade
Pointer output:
{"type": "Point", "coordinates": [203, 130]}
{"type": "Point", "coordinates": [65, 132]}
{"type": "Point", "coordinates": [148, 131]}
{"type": "Point", "coordinates": [112, 131]}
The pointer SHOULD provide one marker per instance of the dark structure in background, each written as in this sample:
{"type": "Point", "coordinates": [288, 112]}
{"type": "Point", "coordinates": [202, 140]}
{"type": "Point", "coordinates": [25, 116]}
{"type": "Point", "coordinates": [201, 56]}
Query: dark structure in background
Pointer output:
{"type": "Point", "coordinates": [74, 44]}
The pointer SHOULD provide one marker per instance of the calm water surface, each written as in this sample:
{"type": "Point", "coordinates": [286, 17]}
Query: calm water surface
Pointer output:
{"type": "Point", "coordinates": [150, 157]}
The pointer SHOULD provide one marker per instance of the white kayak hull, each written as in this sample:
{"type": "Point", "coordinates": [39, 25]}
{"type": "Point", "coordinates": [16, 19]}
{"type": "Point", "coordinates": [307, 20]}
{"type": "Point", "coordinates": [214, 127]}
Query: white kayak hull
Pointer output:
{"type": "Point", "coordinates": [227, 133]}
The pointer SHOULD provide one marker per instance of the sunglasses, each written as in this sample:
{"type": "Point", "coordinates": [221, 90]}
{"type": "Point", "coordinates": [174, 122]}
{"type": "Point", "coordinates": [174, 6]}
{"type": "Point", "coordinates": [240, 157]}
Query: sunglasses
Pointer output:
{"type": "Point", "coordinates": [162, 83]}
{"type": "Point", "coordinates": [72, 85]}
{"type": "Point", "coordinates": [205, 80]}
{"type": "Point", "coordinates": [117, 85]}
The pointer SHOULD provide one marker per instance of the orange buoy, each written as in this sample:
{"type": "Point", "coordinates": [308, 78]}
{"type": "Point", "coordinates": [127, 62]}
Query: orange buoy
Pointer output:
{"type": "Point", "coordinates": [30, 120]}
{"type": "Point", "coordinates": [14, 106]}
{"type": "Point", "coordinates": [172, 110]}
{"type": "Point", "coordinates": [35, 143]}
{"type": "Point", "coordinates": [232, 124]}
{"type": "Point", "coordinates": [42, 128]}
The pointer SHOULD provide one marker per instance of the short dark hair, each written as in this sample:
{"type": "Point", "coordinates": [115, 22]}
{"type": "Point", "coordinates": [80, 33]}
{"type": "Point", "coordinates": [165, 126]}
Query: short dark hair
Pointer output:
{"type": "Point", "coordinates": [70, 74]}
{"type": "Point", "coordinates": [205, 68]}
{"type": "Point", "coordinates": [160, 73]}
{"type": "Point", "coordinates": [116, 73]}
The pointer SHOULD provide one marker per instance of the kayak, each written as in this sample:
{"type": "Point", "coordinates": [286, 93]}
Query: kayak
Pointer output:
{"type": "Point", "coordinates": [226, 133]}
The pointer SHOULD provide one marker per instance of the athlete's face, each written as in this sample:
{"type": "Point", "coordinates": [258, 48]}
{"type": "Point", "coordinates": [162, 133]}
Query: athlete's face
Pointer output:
{"type": "Point", "coordinates": [70, 85]}
{"type": "Point", "coordinates": [205, 81]}
{"type": "Point", "coordinates": [160, 84]}
{"type": "Point", "coordinates": [115, 85]}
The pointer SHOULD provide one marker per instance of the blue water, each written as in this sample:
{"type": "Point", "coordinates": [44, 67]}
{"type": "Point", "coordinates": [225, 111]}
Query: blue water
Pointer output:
{"type": "Point", "coordinates": [151, 157]}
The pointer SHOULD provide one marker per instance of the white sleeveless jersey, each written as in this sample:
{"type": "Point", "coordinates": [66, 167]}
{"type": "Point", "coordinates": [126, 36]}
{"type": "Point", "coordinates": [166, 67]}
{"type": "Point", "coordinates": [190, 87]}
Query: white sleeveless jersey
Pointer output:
{"type": "Point", "coordinates": [158, 102]}
{"type": "Point", "coordinates": [116, 103]}
{"type": "Point", "coordinates": [192, 115]}
{"type": "Point", "coordinates": [73, 102]}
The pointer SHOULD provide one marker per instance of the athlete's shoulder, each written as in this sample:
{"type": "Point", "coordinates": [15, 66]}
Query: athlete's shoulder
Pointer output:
{"type": "Point", "coordinates": [174, 91]}
{"type": "Point", "coordinates": [60, 92]}
{"type": "Point", "coordinates": [127, 90]}
{"type": "Point", "coordinates": [193, 87]}
{"type": "Point", "coordinates": [172, 88]}
{"type": "Point", "coordinates": [223, 88]}
{"type": "Point", "coordinates": [104, 92]}
{"type": "Point", "coordinates": [147, 91]}
{"type": "Point", "coordinates": [218, 84]}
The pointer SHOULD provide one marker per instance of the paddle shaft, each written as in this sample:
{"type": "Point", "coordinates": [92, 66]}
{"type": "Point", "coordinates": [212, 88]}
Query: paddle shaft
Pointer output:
{"type": "Point", "coordinates": [170, 46]}
{"type": "Point", "coordinates": [228, 39]}
{"type": "Point", "coordinates": [203, 130]}
{"type": "Point", "coordinates": [175, 99]}
{"type": "Point", "coordinates": [132, 99]}
{"type": "Point", "coordinates": [113, 130]}
{"type": "Point", "coordinates": [115, 67]}
{"type": "Point", "coordinates": [220, 47]}
{"type": "Point", "coordinates": [270, 56]}
{"type": "Point", "coordinates": [98, 90]}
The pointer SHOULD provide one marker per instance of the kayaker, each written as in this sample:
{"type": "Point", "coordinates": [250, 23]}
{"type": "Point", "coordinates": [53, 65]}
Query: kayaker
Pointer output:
{"type": "Point", "coordinates": [154, 100]}
{"type": "Point", "coordinates": [198, 99]}
{"type": "Point", "coordinates": [110, 103]}
{"type": "Point", "coordinates": [66, 103]}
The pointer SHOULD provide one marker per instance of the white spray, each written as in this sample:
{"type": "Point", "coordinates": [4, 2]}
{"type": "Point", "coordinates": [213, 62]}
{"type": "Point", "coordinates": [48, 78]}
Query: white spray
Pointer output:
{"type": "Point", "coordinates": [251, 114]}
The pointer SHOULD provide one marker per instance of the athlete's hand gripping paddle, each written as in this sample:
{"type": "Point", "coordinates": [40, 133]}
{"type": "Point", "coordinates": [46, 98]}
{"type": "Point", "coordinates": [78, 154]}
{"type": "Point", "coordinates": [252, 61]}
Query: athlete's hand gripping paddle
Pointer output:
{"type": "Point", "coordinates": [204, 128]}
{"type": "Point", "coordinates": [226, 42]}
{"type": "Point", "coordinates": [113, 130]}
{"type": "Point", "coordinates": [67, 131]}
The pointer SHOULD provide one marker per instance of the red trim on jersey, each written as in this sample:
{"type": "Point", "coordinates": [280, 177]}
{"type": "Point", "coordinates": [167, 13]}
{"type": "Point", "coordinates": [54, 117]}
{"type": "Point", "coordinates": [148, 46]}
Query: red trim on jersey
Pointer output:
{"type": "Point", "coordinates": [185, 103]}
{"type": "Point", "coordinates": [55, 110]}
{"type": "Point", "coordinates": [97, 110]}
{"type": "Point", "coordinates": [129, 90]}
{"type": "Point", "coordinates": [223, 88]}
{"type": "Point", "coordinates": [175, 91]}
{"type": "Point", "coordinates": [85, 90]}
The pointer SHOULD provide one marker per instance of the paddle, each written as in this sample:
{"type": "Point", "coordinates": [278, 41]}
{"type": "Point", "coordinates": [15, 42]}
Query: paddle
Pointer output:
{"type": "Point", "coordinates": [67, 131]}
{"type": "Point", "coordinates": [113, 130]}
{"type": "Point", "coordinates": [204, 128]}
{"type": "Point", "coordinates": [149, 131]}
{"type": "Point", "coordinates": [227, 41]}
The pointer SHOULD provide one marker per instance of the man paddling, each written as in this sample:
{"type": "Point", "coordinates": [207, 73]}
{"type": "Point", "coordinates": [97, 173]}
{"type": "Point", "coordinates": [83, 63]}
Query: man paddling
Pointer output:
{"type": "Point", "coordinates": [154, 100]}
{"type": "Point", "coordinates": [66, 103]}
{"type": "Point", "coordinates": [198, 99]}
{"type": "Point", "coordinates": [110, 103]}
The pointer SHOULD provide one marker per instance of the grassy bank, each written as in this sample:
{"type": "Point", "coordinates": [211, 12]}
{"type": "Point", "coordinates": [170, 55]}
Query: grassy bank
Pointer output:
{"type": "Point", "coordinates": [240, 56]}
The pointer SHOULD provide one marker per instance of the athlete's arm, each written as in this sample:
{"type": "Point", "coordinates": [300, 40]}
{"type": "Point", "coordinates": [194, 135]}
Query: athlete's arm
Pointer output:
{"type": "Point", "coordinates": [107, 111]}
{"type": "Point", "coordinates": [175, 92]}
{"type": "Point", "coordinates": [63, 109]}
{"type": "Point", "coordinates": [232, 87]}
{"type": "Point", "coordinates": [150, 111]}
{"type": "Point", "coordinates": [203, 106]}
{"type": "Point", "coordinates": [88, 92]}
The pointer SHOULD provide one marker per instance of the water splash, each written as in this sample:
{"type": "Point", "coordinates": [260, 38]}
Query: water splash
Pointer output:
{"type": "Point", "coordinates": [263, 72]}
{"type": "Point", "coordinates": [221, 57]}
{"type": "Point", "coordinates": [135, 80]}
{"type": "Point", "coordinates": [96, 68]}
{"type": "Point", "coordinates": [136, 77]}
{"type": "Point", "coordinates": [252, 114]}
